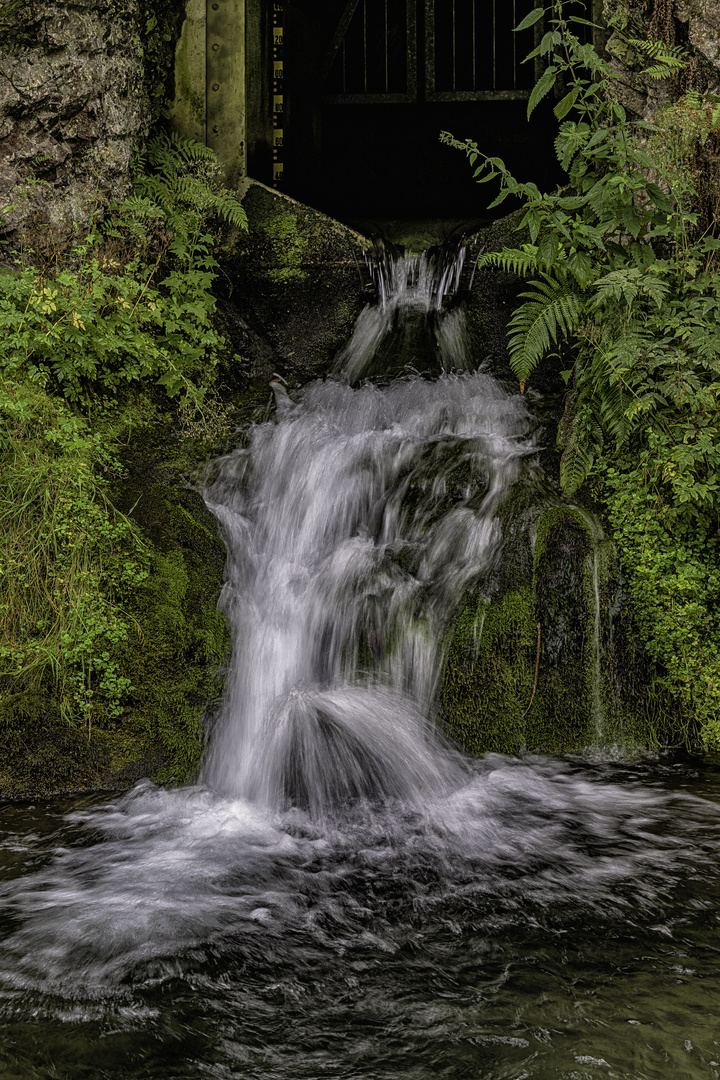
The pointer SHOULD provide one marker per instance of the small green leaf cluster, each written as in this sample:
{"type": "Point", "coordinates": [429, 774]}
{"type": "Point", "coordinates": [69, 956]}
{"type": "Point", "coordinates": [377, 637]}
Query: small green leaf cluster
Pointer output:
{"type": "Point", "coordinates": [133, 302]}
{"type": "Point", "coordinates": [622, 287]}
{"type": "Point", "coordinates": [68, 559]}
{"type": "Point", "coordinates": [125, 317]}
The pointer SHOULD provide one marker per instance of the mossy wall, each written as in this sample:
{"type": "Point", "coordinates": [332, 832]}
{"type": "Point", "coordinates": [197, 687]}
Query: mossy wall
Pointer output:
{"type": "Point", "coordinates": [593, 681]}
{"type": "Point", "coordinates": [294, 286]}
{"type": "Point", "coordinates": [173, 656]}
{"type": "Point", "coordinates": [175, 664]}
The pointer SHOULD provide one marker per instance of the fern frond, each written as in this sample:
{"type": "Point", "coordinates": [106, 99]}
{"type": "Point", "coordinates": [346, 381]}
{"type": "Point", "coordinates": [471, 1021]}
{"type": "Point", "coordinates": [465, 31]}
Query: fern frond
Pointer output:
{"type": "Point", "coordinates": [518, 261]}
{"type": "Point", "coordinates": [551, 313]}
{"type": "Point", "coordinates": [575, 463]}
{"type": "Point", "coordinates": [615, 399]}
{"type": "Point", "coordinates": [230, 209]}
{"type": "Point", "coordinates": [670, 59]}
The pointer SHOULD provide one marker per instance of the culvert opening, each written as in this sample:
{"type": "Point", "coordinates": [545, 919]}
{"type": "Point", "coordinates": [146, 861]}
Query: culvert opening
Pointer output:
{"type": "Point", "coordinates": [361, 90]}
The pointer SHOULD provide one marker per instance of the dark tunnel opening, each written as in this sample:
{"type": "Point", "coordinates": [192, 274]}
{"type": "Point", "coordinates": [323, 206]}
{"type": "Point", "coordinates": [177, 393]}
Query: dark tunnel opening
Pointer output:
{"type": "Point", "coordinates": [366, 86]}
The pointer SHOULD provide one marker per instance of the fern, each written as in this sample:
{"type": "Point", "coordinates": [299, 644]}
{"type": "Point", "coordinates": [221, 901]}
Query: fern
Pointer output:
{"type": "Point", "coordinates": [549, 315]}
{"type": "Point", "coordinates": [669, 59]}
{"type": "Point", "coordinates": [575, 463]}
{"type": "Point", "coordinates": [178, 179]}
{"type": "Point", "coordinates": [518, 261]}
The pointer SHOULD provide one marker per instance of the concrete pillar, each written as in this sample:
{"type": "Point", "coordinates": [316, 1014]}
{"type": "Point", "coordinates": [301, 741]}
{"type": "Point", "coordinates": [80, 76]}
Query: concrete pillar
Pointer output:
{"type": "Point", "coordinates": [210, 81]}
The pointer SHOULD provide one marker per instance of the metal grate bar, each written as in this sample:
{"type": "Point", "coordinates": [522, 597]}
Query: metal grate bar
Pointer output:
{"type": "Point", "coordinates": [494, 47]}
{"type": "Point", "coordinates": [365, 46]}
{"type": "Point", "coordinates": [386, 46]}
{"type": "Point", "coordinates": [454, 49]}
{"type": "Point", "coordinates": [514, 41]}
{"type": "Point", "coordinates": [474, 45]}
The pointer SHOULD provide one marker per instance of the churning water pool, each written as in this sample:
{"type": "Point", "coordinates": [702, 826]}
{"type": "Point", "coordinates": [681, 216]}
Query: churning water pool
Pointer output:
{"type": "Point", "coordinates": [546, 919]}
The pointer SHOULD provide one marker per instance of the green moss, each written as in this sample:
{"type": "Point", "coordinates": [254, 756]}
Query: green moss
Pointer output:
{"type": "Point", "coordinates": [180, 644]}
{"type": "Point", "coordinates": [488, 674]}
{"type": "Point", "coordinates": [160, 26]}
{"type": "Point", "coordinates": [486, 697]}
{"type": "Point", "coordinates": [168, 653]}
{"type": "Point", "coordinates": [288, 246]}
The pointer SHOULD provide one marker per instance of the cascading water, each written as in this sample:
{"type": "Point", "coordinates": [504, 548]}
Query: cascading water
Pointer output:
{"type": "Point", "coordinates": [353, 524]}
{"type": "Point", "coordinates": [344, 895]}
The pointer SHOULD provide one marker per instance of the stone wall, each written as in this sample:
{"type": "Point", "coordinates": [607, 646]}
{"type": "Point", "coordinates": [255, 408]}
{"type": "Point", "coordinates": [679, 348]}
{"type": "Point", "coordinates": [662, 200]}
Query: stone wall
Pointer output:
{"type": "Point", "coordinates": [694, 24]}
{"type": "Point", "coordinates": [77, 83]}
{"type": "Point", "coordinates": [73, 107]}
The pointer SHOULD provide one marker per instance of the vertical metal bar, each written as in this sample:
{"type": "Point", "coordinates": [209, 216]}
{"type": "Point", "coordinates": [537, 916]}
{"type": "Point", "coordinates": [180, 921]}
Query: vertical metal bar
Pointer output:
{"type": "Point", "coordinates": [411, 50]}
{"type": "Point", "coordinates": [429, 41]}
{"type": "Point", "coordinates": [474, 46]}
{"type": "Point", "coordinates": [494, 48]}
{"type": "Point", "coordinates": [514, 41]}
{"type": "Point", "coordinates": [365, 45]}
{"type": "Point", "coordinates": [387, 85]}
{"type": "Point", "coordinates": [453, 47]}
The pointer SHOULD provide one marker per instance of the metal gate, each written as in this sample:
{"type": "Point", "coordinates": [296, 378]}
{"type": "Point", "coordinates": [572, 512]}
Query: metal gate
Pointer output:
{"type": "Point", "coordinates": [429, 50]}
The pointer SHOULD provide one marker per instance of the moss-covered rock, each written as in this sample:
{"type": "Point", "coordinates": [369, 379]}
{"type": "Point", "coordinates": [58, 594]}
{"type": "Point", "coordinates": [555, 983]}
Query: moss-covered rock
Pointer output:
{"type": "Point", "coordinates": [171, 659]}
{"type": "Point", "coordinates": [549, 663]}
{"type": "Point", "coordinates": [294, 286]}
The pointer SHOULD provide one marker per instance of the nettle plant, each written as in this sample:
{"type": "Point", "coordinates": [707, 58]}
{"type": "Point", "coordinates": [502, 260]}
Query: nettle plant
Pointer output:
{"type": "Point", "coordinates": [614, 258]}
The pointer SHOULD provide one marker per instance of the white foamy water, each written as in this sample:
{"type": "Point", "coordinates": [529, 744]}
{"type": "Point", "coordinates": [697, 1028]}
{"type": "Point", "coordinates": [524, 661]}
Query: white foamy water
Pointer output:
{"type": "Point", "coordinates": [353, 524]}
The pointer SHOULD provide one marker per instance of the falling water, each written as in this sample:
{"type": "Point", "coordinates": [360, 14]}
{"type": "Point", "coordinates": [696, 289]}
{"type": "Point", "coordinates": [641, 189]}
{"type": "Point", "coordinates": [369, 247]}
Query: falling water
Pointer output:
{"type": "Point", "coordinates": [353, 523]}
{"type": "Point", "coordinates": [411, 325]}
{"type": "Point", "coordinates": [344, 895]}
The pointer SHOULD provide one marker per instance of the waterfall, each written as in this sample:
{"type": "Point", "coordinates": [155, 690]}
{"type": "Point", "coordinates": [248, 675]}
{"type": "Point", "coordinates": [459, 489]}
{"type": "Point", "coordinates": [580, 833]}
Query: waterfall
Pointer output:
{"type": "Point", "coordinates": [353, 523]}
{"type": "Point", "coordinates": [412, 325]}
{"type": "Point", "coordinates": [345, 895]}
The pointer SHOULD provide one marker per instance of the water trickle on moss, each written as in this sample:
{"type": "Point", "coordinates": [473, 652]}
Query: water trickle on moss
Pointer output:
{"type": "Point", "coordinates": [593, 684]}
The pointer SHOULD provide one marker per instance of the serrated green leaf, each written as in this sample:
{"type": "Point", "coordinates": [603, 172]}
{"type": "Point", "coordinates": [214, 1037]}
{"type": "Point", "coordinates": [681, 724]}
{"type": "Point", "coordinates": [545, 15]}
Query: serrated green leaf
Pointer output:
{"type": "Point", "coordinates": [659, 198]}
{"type": "Point", "coordinates": [580, 266]}
{"type": "Point", "coordinates": [542, 87]}
{"type": "Point", "coordinates": [565, 104]}
{"type": "Point", "coordinates": [530, 19]}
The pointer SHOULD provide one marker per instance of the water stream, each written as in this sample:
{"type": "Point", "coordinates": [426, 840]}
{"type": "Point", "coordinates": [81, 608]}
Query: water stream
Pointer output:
{"type": "Point", "coordinates": [344, 895]}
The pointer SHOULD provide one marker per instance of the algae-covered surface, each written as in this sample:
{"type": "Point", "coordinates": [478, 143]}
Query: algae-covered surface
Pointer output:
{"type": "Point", "coordinates": [549, 660]}
{"type": "Point", "coordinates": [168, 654]}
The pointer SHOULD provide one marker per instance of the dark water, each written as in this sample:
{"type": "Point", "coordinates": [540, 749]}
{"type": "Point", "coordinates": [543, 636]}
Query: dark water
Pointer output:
{"type": "Point", "coordinates": [546, 919]}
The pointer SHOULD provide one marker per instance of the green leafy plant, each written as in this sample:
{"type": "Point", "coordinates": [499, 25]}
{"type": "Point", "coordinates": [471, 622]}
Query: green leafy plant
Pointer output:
{"type": "Point", "coordinates": [622, 288]}
{"type": "Point", "coordinates": [133, 299]}
{"type": "Point", "coordinates": [117, 325]}
{"type": "Point", "coordinates": [68, 558]}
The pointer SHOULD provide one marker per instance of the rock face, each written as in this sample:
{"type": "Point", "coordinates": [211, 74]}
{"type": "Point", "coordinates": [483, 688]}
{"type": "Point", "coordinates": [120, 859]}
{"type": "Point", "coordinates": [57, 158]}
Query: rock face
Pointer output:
{"type": "Point", "coordinates": [702, 18]}
{"type": "Point", "coordinates": [692, 23]}
{"type": "Point", "coordinates": [547, 659]}
{"type": "Point", "coordinates": [293, 286]}
{"type": "Point", "coordinates": [73, 107]}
